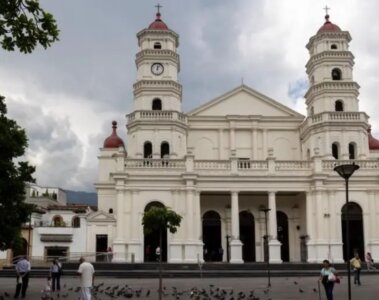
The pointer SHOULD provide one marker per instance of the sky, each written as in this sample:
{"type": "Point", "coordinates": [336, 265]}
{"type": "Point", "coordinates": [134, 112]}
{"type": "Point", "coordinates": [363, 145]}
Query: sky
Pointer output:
{"type": "Point", "coordinates": [67, 96]}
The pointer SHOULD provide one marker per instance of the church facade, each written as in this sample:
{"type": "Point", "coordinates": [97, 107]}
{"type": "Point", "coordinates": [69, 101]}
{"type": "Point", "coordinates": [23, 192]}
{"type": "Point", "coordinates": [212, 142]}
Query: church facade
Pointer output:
{"type": "Point", "coordinates": [252, 178]}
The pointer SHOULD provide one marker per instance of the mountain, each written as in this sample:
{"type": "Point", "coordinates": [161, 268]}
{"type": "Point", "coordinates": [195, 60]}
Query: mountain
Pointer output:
{"type": "Point", "coordinates": [81, 198]}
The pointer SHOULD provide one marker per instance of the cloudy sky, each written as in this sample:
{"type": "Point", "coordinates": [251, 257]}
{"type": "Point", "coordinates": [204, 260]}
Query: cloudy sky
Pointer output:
{"type": "Point", "coordinates": [67, 96]}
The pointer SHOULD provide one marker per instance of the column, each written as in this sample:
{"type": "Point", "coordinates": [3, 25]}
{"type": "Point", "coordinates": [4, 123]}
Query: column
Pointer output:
{"type": "Point", "coordinates": [235, 244]}
{"type": "Point", "coordinates": [220, 144]}
{"type": "Point", "coordinates": [254, 146]}
{"type": "Point", "coordinates": [119, 248]}
{"type": "Point", "coordinates": [191, 244]}
{"type": "Point", "coordinates": [335, 244]}
{"type": "Point", "coordinates": [176, 240]}
{"type": "Point", "coordinates": [135, 242]}
{"type": "Point", "coordinates": [232, 138]}
{"type": "Point", "coordinates": [265, 144]}
{"type": "Point", "coordinates": [274, 244]}
{"type": "Point", "coordinates": [311, 254]}
{"type": "Point", "coordinates": [373, 240]}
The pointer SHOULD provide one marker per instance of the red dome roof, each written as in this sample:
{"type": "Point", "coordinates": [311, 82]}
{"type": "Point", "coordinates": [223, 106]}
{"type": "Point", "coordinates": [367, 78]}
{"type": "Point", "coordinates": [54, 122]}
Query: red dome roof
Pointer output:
{"type": "Point", "coordinates": [113, 141]}
{"type": "Point", "coordinates": [328, 26]}
{"type": "Point", "coordinates": [373, 143]}
{"type": "Point", "coordinates": [158, 24]}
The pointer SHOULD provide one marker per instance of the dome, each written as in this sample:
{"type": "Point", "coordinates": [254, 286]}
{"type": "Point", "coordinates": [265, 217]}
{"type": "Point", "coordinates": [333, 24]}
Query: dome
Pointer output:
{"type": "Point", "coordinates": [328, 26]}
{"type": "Point", "coordinates": [373, 143]}
{"type": "Point", "coordinates": [158, 24]}
{"type": "Point", "coordinates": [113, 141]}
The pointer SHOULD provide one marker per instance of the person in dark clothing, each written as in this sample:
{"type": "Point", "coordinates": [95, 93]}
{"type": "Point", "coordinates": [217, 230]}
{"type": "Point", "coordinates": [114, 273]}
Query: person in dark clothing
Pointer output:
{"type": "Point", "coordinates": [56, 272]}
{"type": "Point", "coordinates": [326, 277]}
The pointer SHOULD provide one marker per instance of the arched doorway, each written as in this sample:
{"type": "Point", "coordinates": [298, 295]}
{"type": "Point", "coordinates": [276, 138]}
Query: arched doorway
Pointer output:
{"type": "Point", "coordinates": [211, 235]}
{"type": "Point", "coordinates": [355, 230]}
{"type": "Point", "coordinates": [282, 232]}
{"type": "Point", "coordinates": [247, 236]}
{"type": "Point", "coordinates": [151, 241]}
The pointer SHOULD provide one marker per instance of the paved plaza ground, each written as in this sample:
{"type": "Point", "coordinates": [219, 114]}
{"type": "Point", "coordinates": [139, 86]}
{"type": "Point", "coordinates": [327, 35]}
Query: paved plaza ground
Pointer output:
{"type": "Point", "coordinates": [282, 288]}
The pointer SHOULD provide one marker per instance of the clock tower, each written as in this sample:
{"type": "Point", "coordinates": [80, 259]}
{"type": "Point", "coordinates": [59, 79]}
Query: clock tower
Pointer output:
{"type": "Point", "coordinates": [157, 128]}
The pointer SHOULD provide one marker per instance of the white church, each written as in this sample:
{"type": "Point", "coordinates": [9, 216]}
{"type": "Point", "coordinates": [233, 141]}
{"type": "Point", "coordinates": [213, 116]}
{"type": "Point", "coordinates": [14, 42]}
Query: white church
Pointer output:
{"type": "Point", "coordinates": [239, 165]}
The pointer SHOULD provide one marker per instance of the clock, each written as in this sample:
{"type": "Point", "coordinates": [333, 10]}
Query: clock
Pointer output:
{"type": "Point", "coordinates": [157, 69]}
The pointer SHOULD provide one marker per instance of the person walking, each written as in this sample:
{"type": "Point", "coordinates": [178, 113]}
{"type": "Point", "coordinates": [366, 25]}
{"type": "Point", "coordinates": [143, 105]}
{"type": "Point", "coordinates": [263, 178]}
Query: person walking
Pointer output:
{"type": "Point", "coordinates": [23, 269]}
{"type": "Point", "coordinates": [356, 264]}
{"type": "Point", "coordinates": [158, 253]}
{"type": "Point", "coordinates": [370, 262]}
{"type": "Point", "coordinates": [87, 278]}
{"type": "Point", "coordinates": [55, 273]}
{"type": "Point", "coordinates": [327, 278]}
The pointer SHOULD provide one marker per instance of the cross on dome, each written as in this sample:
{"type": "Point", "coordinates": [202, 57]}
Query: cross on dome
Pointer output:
{"type": "Point", "coordinates": [326, 8]}
{"type": "Point", "coordinates": [158, 6]}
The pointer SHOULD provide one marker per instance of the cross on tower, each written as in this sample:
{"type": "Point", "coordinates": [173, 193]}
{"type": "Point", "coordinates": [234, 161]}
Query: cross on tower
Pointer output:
{"type": "Point", "coordinates": [158, 6]}
{"type": "Point", "coordinates": [326, 8]}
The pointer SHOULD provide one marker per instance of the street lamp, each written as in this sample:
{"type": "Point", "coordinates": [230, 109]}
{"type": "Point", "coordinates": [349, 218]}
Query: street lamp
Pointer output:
{"type": "Point", "coordinates": [266, 250]}
{"type": "Point", "coordinates": [227, 247]}
{"type": "Point", "coordinates": [345, 171]}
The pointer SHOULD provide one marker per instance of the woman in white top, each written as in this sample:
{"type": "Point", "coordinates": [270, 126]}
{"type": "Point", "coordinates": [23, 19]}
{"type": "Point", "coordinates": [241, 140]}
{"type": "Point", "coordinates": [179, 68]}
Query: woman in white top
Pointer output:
{"type": "Point", "coordinates": [326, 277]}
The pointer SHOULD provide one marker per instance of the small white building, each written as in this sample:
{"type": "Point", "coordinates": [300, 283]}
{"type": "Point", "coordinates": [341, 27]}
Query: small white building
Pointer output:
{"type": "Point", "coordinates": [221, 164]}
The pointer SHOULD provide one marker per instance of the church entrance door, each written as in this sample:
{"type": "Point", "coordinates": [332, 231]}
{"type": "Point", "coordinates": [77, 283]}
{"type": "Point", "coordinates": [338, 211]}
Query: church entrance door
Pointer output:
{"type": "Point", "coordinates": [212, 236]}
{"type": "Point", "coordinates": [282, 221]}
{"type": "Point", "coordinates": [247, 236]}
{"type": "Point", "coordinates": [151, 241]}
{"type": "Point", "coordinates": [355, 231]}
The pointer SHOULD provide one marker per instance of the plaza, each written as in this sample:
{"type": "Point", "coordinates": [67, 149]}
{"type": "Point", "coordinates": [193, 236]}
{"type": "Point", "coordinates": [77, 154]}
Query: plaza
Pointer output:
{"type": "Point", "coordinates": [283, 288]}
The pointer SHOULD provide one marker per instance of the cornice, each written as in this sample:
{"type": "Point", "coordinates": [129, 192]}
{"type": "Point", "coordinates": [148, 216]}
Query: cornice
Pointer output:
{"type": "Point", "coordinates": [157, 86]}
{"type": "Point", "coordinates": [335, 86]}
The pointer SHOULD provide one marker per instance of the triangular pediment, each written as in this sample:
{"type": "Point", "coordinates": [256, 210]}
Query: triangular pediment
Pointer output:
{"type": "Point", "coordinates": [244, 101]}
{"type": "Point", "coordinates": [100, 216]}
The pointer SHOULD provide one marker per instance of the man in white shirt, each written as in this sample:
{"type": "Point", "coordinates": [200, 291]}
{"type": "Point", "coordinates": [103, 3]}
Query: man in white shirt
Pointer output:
{"type": "Point", "coordinates": [87, 278]}
{"type": "Point", "coordinates": [23, 268]}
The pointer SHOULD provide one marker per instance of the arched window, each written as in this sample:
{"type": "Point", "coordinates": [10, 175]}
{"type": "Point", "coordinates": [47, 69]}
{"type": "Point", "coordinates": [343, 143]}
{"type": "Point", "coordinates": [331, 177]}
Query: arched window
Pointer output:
{"type": "Point", "coordinates": [75, 222]}
{"type": "Point", "coordinates": [58, 221]}
{"type": "Point", "coordinates": [165, 150]}
{"type": "Point", "coordinates": [157, 104]}
{"type": "Point", "coordinates": [336, 74]}
{"type": "Point", "coordinates": [110, 211]}
{"type": "Point", "coordinates": [338, 105]}
{"type": "Point", "coordinates": [352, 151]}
{"type": "Point", "coordinates": [335, 150]}
{"type": "Point", "coordinates": [333, 46]}
{"type": "Point", "coordinates": [147, 150]}
{"type": "Point", "coordinates": [157, 45]}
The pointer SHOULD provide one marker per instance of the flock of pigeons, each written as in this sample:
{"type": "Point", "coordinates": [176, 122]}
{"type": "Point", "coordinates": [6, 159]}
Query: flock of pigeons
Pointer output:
{"type": "Point", "coordinates": [108, 292]}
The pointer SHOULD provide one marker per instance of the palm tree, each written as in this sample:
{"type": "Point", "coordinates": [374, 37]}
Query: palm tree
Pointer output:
{"type": "Point", "coordinates": [159, 219]}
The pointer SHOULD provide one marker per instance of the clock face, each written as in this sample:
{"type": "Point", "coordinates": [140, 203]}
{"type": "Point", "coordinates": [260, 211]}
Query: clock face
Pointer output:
{"type": "Point", "coordinates": [157, 68]}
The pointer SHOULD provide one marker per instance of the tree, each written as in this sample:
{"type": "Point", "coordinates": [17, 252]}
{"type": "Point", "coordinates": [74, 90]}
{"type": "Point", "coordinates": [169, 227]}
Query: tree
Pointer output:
{"type": "Point", "coordinates": [13, 176]}
{"type": "Point", "coordinates": [157, 219]}
{"type": "Point", "coordinates": [24, 24]}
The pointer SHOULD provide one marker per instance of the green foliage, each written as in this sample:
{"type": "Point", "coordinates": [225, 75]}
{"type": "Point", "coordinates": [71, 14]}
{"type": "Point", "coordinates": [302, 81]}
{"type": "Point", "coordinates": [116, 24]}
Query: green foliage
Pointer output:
{"type": "Point", "coordinates": [160, 218]}
{"type": "Point", "coordinates": [24, 24]}
{"type": "Point", "coordinates": [13, 175]}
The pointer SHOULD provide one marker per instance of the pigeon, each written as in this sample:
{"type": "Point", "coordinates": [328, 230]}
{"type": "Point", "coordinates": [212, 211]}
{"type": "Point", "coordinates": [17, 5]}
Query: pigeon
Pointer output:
{"type": "Point", "coordinates": [314, 290]}
{"type": "Point", "coordinates": [6, 294]}
{"type": "Point", "coordinates": [301, 291]}
{"type": "Point", "coordinates": [295, 282]}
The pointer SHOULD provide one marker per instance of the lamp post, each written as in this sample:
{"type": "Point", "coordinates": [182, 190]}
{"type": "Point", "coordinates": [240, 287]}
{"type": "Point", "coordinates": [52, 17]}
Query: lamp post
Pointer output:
{"type": "Point", "coordinates": [227, 247]}
{"type": "Point", "coordinates": [345, 171]}
{"type": "Point", "coordinates": [265, 240]}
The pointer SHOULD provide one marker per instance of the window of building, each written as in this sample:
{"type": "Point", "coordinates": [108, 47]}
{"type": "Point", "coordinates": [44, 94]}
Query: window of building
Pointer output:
{"type": "Point", "coordinates": [333, 46]}
{"type": "Point", "coordinates": [157, 45]}
{"type": "Point", "coordinates": [76, 222]}
{"type": "Point", "coordinates": [58, 221]}
{"type": "Point", "coordinates": [165, 150]}
{"type": "Point", "coordinates": [157, 104]}
{"type": "Point", "coordinates": [336, 74]}
{"type": "Point", "coordinates": [352, 151]}
{"type": "Point", "coordinates": [110, 210]}
{"type": "Point", "coordinates": [147, 150]}
{"type": "Point", "coordinates": [335, 150]}
{"type": "Point", "coordinates": [338, 105]}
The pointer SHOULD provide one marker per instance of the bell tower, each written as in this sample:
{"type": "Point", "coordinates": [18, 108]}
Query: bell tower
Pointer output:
{"type": "Point", "coordinates": [157, 126]}
{"type": "Point", "coordinates": [334, 126]}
